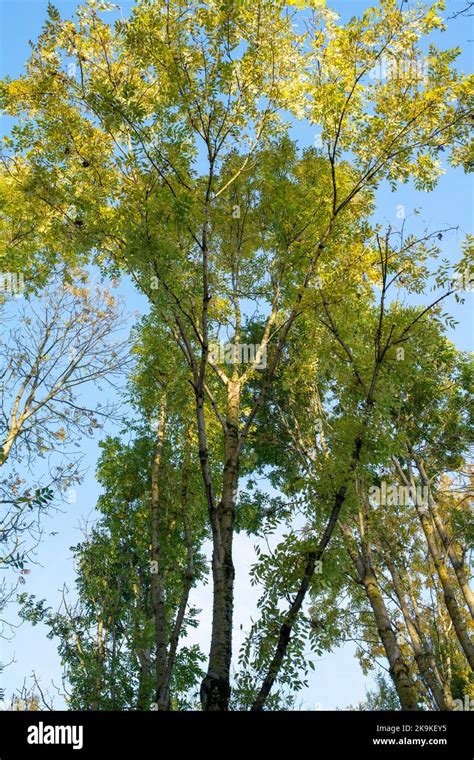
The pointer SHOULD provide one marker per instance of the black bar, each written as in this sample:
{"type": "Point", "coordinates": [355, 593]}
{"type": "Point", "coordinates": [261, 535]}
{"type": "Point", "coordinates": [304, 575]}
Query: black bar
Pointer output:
{"type": "Point", "coordinates": [370, 734]}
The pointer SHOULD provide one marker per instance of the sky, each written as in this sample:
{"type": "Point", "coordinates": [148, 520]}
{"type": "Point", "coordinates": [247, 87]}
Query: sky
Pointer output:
{"type": "Point", "coordinates": [337, 680]}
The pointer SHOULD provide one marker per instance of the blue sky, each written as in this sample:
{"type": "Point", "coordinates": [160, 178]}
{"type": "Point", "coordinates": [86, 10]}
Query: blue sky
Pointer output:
{"type": "Point", "coordinates": [337, 680]}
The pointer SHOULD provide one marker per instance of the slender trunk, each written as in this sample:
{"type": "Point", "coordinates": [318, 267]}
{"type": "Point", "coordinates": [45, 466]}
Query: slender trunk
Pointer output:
{"type": "Point", "coordinates": [144, 660]}
{"type": "Point", "coordinates": [443, 678]}
{"type": "Point", "coordinates": [188, 573]}
{"type": "Point", "coordinates": [157, 590]}
{"type": "Point", "coordinates": [143, 655]}
{"type": "Point", "coordinates": [215, 688]}
{"type": "Point", "coordinates": [100, 664]}
{"type": "Point", "coordinates": [285, 634]}
{"type": "Point", "coordinates": [13, 432]}
{"type": "Point", "coordinates": [454, 610]}
{"type": "Point", "coordinates": [423, 656]}
{"type": "Point", "coordinates": [289, 621]}
{"type": "Point", "coordinates": [456, 564]}
{"type": "Point", "coordinates": [399, 669]}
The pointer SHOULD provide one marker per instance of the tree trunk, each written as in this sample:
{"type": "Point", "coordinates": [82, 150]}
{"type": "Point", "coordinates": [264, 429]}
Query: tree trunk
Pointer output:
{"type": "Point", "coordinates": [311, 559]}
{"type": "Point", "coordinates": [442, 670]}
{"type": "Point", "coordinates": [398, 667]}
{"type": "Point", "coordinates": [157, 591]}
{"type": "Point", "coordinates": [188, 572]}
{"type": "Point", "coordinates": [215, 688]}
{"type": "Point", "coordinates": [455, 612]}
{"type": "Point", "coordinates": [144, 659]}
{"type": "Point", "coordinates": [447, 543]}
{"type": "Point", "coordinates": [399, 670]}
{"type": "Point", "coordinates": [98, 683]}
{"type": "Point", "coordinates": [423, 656]}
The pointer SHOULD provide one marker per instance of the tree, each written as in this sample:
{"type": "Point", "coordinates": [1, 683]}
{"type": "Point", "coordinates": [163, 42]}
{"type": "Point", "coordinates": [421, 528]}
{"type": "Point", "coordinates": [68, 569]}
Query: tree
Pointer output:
{"type": "Point", "coordinates": [61, 342]}
{"type": "Point", "coordinates": [318, 411]}
{"type": "Point", "coordinates": [121, 641]}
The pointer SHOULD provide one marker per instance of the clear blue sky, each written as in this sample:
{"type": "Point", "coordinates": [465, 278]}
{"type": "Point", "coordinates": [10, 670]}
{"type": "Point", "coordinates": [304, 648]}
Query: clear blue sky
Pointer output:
{"type": "Point", "coordinates": [337, 681]}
